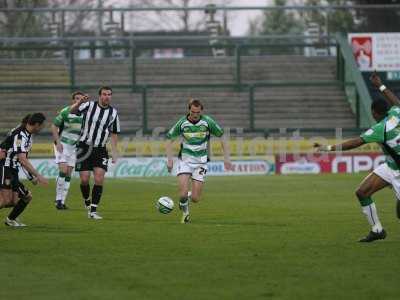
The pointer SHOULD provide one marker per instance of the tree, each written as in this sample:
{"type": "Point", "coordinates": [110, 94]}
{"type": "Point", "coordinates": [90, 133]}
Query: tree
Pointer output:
{"type": "Point", "coordinates": [35, 24]}
{"type": "Point", "coordinates": [16, 24]}
{"type": "Point", "coordinates": [342, 21]}
{"type": "Point", "coordinates": [332, 20]}
{"type": "Point", "coordinates": [184, 20]}
{"type": "Point", "coordinates": [379, 20]}
{"type": "Point", "coordinates": [78, 21]}
{"type": "Point", "coordinates": [275, 22]}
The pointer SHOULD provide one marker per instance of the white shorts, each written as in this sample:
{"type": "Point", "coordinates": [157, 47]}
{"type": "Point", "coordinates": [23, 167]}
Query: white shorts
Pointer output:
{"type": "Point", "coordinates": [68, 156]}
{"type": "Point", "coordinates": [390, 176]}
{"type": "Point", "coordinates": [198, 171]}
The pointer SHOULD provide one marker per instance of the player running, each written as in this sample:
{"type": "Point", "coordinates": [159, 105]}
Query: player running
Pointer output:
{"type": "Point", "coordinates": [385, 132]}
{"type": "Point", "coordinates": [195, 129]}
{"type": "Point", "coordinates": [66, 130]}
{"type": "Point", "coordinates": [16, 147]}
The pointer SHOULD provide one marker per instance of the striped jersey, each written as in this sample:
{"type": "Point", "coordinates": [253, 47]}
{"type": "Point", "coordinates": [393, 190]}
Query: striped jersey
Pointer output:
{"type": "Point", "coordinates": [387, 134]}
{"type": "Point", "coordinates": [98, 122]}
{"type": "Point", "coordinates": [196, 136]}
{"type": "Point", "coordinates": [69, 126]}
{"type": "Point", "coordinates": [18, 140]}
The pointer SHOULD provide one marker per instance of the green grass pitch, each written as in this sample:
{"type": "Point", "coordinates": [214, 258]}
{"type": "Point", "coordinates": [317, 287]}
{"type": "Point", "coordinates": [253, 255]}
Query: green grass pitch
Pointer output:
{"type": "Point", "coordinates": [269, 237]}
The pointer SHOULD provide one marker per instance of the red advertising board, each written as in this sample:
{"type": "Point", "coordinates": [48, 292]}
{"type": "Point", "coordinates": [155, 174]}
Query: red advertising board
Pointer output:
{"type": "Point", "coordinates": [315, 163]}
{"type": "Point", "coordinates": [362, 50]}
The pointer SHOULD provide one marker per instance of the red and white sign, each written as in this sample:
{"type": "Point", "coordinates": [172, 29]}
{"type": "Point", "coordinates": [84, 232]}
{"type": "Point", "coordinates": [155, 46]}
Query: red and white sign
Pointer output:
{"type": "Point", "coordinates": [376, 51]}
{"type": "Point", "coordinates": [327, 163]}
{"type": "Point", "coordinates": [362, 50]}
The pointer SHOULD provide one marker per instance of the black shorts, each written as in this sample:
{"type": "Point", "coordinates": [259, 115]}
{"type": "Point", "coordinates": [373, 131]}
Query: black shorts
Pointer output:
{"type": "Point", "coordinates": [88, 158]}
{"type": "Point", "coordinates": [9, 180]}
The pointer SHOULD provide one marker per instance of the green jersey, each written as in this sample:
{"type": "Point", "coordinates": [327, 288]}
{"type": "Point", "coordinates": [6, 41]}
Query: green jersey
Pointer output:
{"type": "Point", "coordinates": [70, 126]}
{"type": "Point", "coordinates": [387, 134]}
{"type": "Point", "coordinates": [196, 136]}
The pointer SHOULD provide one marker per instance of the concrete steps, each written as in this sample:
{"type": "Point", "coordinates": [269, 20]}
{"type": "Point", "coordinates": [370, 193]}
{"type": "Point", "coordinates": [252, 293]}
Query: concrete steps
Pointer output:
{"type": "Point", "coordinates": [33, 72]}
{"type": "Point", "coordinates": [274, 107]}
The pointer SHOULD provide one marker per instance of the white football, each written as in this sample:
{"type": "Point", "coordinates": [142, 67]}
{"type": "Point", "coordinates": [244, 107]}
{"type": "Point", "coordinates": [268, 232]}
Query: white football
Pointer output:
{"type": "Point", "coordinates": [165, 205]}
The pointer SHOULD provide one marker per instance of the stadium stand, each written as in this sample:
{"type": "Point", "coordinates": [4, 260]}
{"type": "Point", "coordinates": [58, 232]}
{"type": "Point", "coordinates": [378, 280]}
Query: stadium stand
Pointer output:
{"type": "Point", "coordinates": [274, 107]}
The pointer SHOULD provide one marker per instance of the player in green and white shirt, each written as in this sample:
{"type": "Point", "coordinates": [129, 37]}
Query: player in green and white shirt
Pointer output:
{"type": "Point", "coordinates": [385, 132]}
{"type": "Point", "coordinates": [195, 130]}
{"type": "Point", "coordinates": [66, 130]}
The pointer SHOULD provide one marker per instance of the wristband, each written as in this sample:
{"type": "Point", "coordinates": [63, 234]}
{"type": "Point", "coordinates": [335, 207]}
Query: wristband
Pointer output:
{"type": "Point", "coordinates": [382, 88]}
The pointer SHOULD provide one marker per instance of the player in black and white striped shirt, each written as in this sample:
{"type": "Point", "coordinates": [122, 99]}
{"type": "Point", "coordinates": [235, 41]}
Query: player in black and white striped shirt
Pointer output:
{"type": "Point", "coordinates": [15, 149]}
{"type": "Point", "coordinates": [100, 121]}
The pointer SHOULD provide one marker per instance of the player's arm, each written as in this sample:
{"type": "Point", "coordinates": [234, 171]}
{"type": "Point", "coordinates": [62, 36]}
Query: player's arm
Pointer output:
{"type": "Point", "coordinates": [347, 145]}
{"type": "Point", "coordinates": [389, 95]}
{"type": "Point", "coordinates": [80, 106]}
{"type": "Point", "coordinates": [2, 153]}
{"type": "Point", "coordinates": [114, 147]}
{"type": "Point", "coordinates": [226, 151]}
{"type": "Point", "coordinates": [21, 150]}
{"type": "Point", "coordinates": [172, 134]}
{"type": "Point", "coordinates": [55, 129]}
{"type": "Point", "coordinates": [58, 122]}
{"type": "Point", "coordinates": [26, 164]}
{"type": "Point", "coordinates": [114, 129]}
{"type": "Point", "coordinates": [217, 131]}
{"type": "Point", "coordinates": [30, 176]}
{"type": "Point", "coordinates": [168, 150]}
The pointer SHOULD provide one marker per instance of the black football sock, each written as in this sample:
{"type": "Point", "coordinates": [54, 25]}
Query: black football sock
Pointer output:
{"type": "Point", "coordinates": [85, 190]}
{"type": "Point", "coordinates": [96, 196]}
{"type": "Point", "coordinates": [18, 209]}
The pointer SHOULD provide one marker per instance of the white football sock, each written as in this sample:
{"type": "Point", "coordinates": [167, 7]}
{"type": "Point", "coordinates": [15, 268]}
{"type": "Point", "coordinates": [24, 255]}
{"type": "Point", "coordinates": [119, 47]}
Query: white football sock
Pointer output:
{"type": "Point", "coordinates": [372, 217]}
{"type": "Point", "coordinates": [66, 189]}
{"type": "Point", "coordinates": [60, 188]}
{"type": "Point", "coordinates": [185, 206]}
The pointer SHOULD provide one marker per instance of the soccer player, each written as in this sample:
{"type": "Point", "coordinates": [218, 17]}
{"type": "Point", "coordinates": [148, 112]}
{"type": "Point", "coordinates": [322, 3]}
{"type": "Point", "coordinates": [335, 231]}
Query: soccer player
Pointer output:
{"type": "Point", "coordinates": [3, 153]}
{"type": "Point", "coordinates": [195, 129]}
{"type": "Point", "coordinates": [100, 120]}
{"type": "Point", "coordinates": [66, 130]}
{"type": "Point", "coordinates": [385, 132]}
{"type": "Point", "coordinates": [16, 147]}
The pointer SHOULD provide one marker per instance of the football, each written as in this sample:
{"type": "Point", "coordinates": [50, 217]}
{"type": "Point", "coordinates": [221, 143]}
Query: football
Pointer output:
{"type": "Point", "coordinates": [165, 205]}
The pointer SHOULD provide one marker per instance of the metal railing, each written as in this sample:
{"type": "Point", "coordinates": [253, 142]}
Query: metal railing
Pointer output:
{"type": "Point", "coordinates": [354, 85]}
{"type": "Point", "coordinates": [235, 47]}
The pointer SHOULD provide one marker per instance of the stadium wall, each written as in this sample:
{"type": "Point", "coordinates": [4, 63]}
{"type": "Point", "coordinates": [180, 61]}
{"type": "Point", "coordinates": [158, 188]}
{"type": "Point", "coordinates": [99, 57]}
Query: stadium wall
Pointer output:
{"type": "Point", "coordinates": [282, 164]}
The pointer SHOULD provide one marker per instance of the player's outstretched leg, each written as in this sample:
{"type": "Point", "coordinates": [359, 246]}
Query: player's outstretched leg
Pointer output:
{"type": "Point", "coordinates": [96, 196]}
{"type": "Point", "coordinates": [97, 192]}
{"type": "Point", "coordinates": [85, 187]}
{"type": "Point", "coordinates": [66, 189]}
{"type": "Point", "coordinates": [60, 186]}
{"type": "Point", "coordinates": [22, 203]}
{"type": "Point", "coordinates": [183, 182]}
{"type": "Point", "coordinates": [184, 207]}
{"type": "Point", "coordinates": [369, 186]}
{"type": "Point", "coordinates": [193, 196]}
